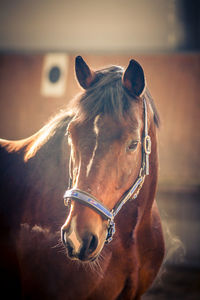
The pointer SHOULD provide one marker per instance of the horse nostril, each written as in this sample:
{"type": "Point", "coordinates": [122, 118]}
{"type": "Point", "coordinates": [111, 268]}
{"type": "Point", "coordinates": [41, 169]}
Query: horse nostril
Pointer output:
{"type": "Point", "coordinates": [93, 243]}
{"type": "Point", "coordinates": [90, 243]}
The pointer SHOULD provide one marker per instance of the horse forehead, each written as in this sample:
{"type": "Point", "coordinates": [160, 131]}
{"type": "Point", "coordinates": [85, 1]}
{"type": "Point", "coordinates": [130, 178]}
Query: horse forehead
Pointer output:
{"type": "Point", "coordinates": [106, 129]}
{"type": "Point", "coordinates": [101, 128]}
{"type": "Point", "coordinates": [109, 129]}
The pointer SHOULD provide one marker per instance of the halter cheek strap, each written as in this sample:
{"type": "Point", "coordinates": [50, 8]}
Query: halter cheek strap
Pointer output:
{"type": "Point", "coordinates": [90, 201]}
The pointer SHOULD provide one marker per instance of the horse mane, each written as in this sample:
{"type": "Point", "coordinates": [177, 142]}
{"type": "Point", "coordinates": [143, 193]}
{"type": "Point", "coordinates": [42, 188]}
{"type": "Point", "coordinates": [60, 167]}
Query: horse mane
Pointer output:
{"type": "Point", "coordinates": [106, 96]}
{"type": "Point", "coordinates": [57, 124]}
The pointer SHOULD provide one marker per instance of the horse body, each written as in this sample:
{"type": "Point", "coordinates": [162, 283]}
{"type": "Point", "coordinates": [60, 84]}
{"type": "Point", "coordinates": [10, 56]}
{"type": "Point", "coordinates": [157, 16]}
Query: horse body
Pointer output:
{"type": "Point", "coordinates": [34, 176]}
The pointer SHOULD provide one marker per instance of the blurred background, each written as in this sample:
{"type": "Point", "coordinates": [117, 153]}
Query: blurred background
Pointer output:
{"type": "Point", "coordinates": [38, 43]}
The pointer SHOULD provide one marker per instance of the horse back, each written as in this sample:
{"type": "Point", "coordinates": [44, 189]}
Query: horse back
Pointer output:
{"type": "Point", "coordinates": [12, 172]}
{"type": "Point", "coordinates": [11, 179]}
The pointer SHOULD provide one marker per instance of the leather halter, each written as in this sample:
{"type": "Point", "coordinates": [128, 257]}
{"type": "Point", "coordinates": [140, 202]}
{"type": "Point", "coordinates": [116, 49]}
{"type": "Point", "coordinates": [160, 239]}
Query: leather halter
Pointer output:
{"type": "Point", "coordinates": [90, 201]}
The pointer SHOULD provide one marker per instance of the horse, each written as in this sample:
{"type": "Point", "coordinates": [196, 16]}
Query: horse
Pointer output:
{"type": "Point", "coordinates": [104, 239]}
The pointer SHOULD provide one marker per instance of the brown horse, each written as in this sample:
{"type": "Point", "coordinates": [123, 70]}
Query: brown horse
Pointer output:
{"type": "Point", "coordinates": [101, 145]}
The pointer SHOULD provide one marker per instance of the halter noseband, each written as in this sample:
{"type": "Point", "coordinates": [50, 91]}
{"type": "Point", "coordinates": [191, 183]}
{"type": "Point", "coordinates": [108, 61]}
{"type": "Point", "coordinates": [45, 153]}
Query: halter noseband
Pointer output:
{"type": "Point", "coordinates": [90, 201]}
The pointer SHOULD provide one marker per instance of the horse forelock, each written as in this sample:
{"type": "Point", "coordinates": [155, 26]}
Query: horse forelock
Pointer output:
{"type": "Point", "coordinates": [107, 95]}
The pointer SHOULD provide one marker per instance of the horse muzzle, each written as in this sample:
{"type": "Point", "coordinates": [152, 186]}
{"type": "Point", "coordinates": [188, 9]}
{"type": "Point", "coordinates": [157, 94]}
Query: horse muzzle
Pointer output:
{"type": "Point", "coordinates": [80, 249]}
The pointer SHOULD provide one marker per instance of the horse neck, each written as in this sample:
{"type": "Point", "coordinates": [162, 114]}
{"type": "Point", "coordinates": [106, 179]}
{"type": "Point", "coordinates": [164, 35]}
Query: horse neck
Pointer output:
{"type": "Point", "coordinates": [46, 181]}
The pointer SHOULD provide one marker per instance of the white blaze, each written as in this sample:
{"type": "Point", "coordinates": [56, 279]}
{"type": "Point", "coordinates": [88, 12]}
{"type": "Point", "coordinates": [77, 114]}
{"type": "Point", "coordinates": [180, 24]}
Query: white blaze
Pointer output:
{"type": "Point", "coordinates": [96, 131]}
{"type": "Point", "coordinates": [74, 237]}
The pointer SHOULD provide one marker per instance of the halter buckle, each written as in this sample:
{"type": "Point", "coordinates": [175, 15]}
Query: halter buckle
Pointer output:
{"type": "Point", "coordinates": [111, 231]}
{"type": "Point", "coordinates": [147, 144]}
{"type": "Point", "coordinates": [67, 202]}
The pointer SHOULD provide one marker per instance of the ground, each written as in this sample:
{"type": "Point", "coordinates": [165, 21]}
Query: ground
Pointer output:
{"type": "Point", "coordinates": [177, 282]}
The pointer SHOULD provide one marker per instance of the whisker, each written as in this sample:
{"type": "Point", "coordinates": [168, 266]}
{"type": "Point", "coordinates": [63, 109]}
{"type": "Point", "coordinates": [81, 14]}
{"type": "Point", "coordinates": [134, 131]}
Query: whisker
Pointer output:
{"type": "Point", "coordinates": [56, 246]}
{"type": "Point", "coordinates": [95, 267]}
{"type": "Point", "coordinates": [63, 251]}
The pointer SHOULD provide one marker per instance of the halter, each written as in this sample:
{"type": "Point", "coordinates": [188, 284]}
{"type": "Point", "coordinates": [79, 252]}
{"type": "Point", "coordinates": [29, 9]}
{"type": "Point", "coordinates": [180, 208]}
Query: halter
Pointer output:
{"type": "Point", "coordinates": [90, 201]}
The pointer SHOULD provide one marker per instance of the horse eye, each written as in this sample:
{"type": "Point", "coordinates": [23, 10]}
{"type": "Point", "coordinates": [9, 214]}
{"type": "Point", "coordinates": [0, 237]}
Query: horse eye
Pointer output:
{"type": "Point", "coordinates": [132, 146]}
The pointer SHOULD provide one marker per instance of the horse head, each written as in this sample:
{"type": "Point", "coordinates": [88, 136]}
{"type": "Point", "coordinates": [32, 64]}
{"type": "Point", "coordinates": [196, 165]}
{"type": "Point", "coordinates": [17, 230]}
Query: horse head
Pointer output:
{"type": "Point", "coordinates": [106, 138]}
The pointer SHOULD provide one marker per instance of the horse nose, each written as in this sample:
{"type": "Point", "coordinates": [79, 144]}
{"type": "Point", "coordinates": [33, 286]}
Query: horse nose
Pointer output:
{"type": "Point", "coordinates": [81, 249]}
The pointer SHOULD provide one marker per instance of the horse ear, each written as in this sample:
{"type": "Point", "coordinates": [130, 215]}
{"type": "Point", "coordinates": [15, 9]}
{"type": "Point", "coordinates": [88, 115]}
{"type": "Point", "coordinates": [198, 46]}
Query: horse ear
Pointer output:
{"type": "Point", "coordinates": [84, 75]}
{"type": "Point", "coordinates": [133, 78]}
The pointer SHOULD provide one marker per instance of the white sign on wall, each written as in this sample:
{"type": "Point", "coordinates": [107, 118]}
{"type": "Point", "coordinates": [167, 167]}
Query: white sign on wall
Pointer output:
{"type": "Point", "coordinates": [54, 75]}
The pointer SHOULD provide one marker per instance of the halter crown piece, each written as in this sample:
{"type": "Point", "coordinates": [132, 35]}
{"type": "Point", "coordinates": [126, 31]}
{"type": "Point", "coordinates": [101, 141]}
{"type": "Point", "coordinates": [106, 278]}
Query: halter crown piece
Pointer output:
{"type": "Point", "coordinates": [90, 201]}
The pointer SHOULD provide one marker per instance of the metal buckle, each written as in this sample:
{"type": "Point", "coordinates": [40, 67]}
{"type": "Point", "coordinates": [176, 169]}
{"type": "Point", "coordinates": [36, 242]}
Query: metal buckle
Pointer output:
{"type": "Point", "coordinates": [147, 144]}
{"type": "Point", "coordinates": [111, 231]}
{"type": "Point", "coordinates": [67, 202]}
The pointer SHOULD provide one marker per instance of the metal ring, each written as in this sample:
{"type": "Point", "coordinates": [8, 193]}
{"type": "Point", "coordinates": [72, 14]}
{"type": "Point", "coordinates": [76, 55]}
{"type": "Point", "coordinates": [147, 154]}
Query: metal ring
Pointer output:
{"type": "Point", "coordinates": [147, 144]}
